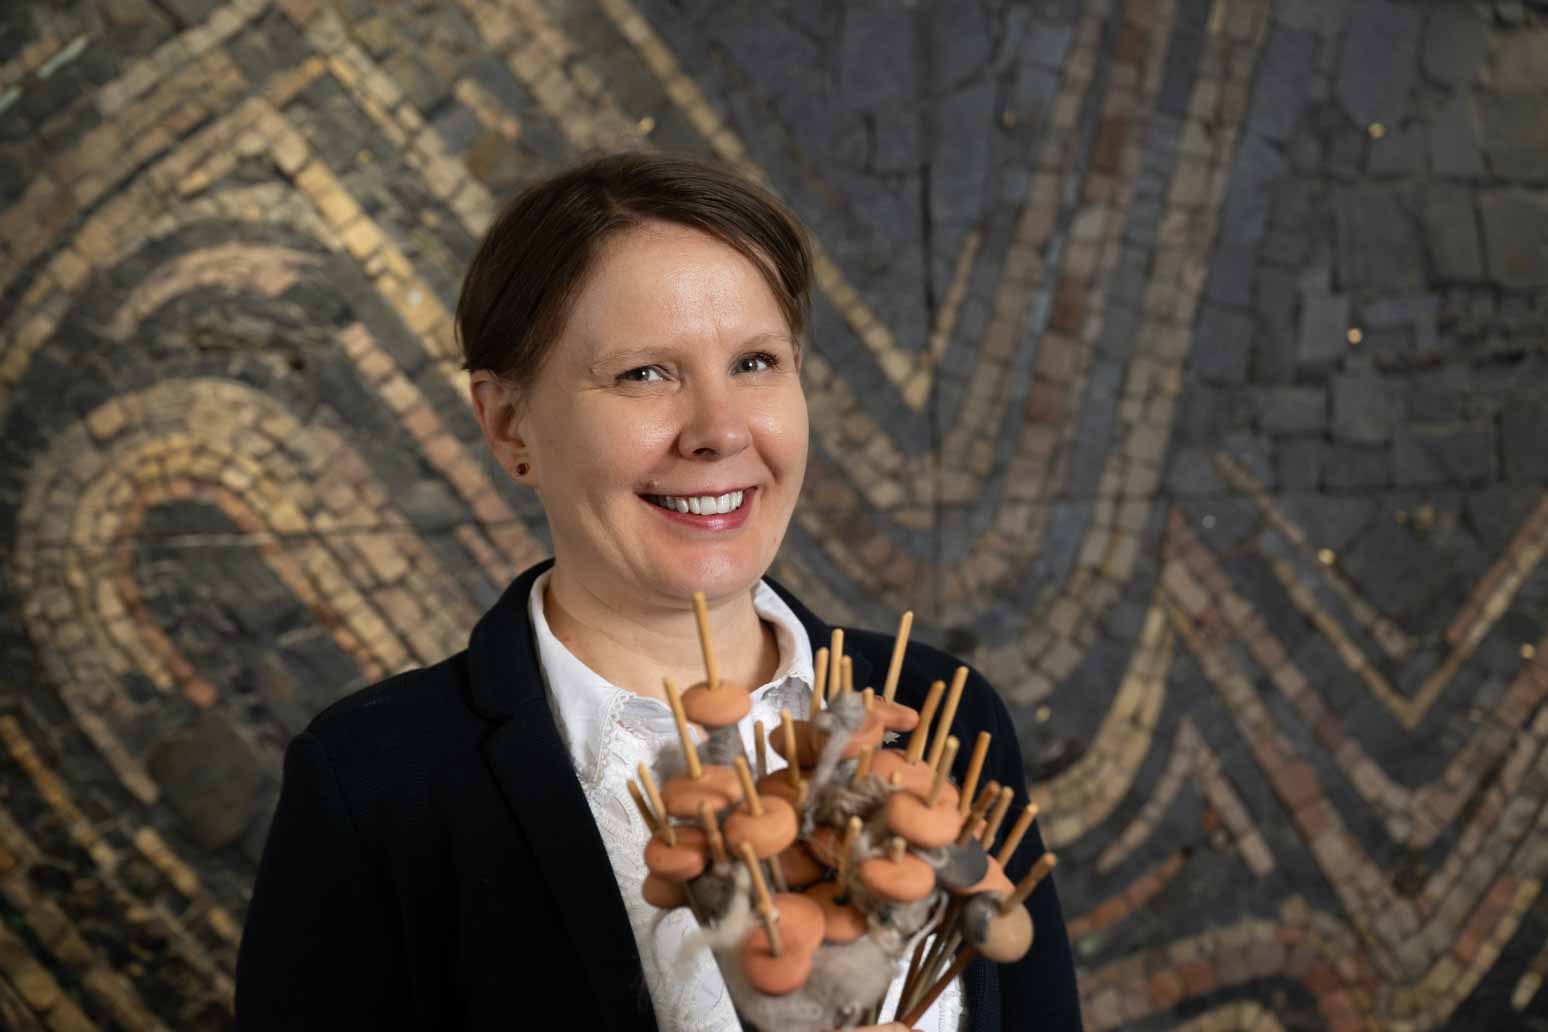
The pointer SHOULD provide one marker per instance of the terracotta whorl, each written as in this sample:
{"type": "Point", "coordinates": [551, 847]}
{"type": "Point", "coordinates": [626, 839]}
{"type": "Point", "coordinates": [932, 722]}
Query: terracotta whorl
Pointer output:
{"type": "Point", "coordinates": [928, 827]}
{"type": "Point", "coordinates": [826, 843]}
{"type": "Point", "coordinates": [799, 868]}
{"type": "Point", "coordinates": [682, 861]}
{"type": "Point", "coordinates": [778, 784]}
{"type": "Point", "coordinates": [808, 743]}
{"type": "Point", "coordinates": [842, 921]}
{"type": "Point", "coordinates": [800, 921]}
{"type": "Point", "coordinates": [771, 975]}
{"type": "Point", "coordinates": [917, 777]}
{"type": "Point", "coordinates": [771, 833]}
{"type": "Point", "coordinates": [664, 892]}
{"type": "Point", "coordinates": [902, 881]}
{"type": "Point", "coordinates": [896, 716]}
{"type": "Point", "coordinates": [717, 786]}
{"type": "Point", "coordinates": [719, 707]}
{"type": "Point", "coordinates": [868, 736]}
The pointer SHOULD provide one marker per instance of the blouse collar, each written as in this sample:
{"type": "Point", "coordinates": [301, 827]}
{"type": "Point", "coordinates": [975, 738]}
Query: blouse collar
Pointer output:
{"type": "Point", "coordinates": [588, 709]}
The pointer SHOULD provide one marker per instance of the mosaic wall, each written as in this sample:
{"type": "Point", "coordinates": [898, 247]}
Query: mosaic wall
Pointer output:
{"type": "Point", "coordinates": [1184, 363]}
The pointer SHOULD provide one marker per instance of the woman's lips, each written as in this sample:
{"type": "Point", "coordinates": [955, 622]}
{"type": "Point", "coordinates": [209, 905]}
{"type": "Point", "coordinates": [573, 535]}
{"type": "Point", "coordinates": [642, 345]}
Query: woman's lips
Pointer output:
{"type": "Point", "coordinates": [719, 521]}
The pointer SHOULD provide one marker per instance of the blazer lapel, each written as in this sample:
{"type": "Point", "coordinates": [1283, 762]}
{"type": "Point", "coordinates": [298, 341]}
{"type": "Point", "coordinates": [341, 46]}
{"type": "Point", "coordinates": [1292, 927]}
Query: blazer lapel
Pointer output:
{"type": "Point", "coordinates": [535, 774]}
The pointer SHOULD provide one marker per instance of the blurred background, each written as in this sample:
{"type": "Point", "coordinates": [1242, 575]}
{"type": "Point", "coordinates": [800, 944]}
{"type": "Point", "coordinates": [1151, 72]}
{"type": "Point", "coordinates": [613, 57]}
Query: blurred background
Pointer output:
{"type": "Point", "coordinates": [1181, 363]}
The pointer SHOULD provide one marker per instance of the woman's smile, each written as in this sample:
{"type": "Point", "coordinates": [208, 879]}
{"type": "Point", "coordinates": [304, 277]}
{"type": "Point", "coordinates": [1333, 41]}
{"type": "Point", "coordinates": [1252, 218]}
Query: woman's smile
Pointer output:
{"type": "Point", "coordinates": [728, 510]}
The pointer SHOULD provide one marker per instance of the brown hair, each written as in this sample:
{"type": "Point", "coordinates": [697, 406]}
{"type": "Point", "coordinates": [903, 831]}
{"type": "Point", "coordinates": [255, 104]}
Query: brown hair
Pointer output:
{"type": "Point", "coordinates": [531, 264]}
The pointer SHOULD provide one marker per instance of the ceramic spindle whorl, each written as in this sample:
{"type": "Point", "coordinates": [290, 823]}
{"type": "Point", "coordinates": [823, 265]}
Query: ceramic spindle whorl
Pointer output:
{"type": "Point", "coordinates": [899, 877]}
{"type": "Point", "coordinates": [681, 860]}
{"type": "Point", "coordinates": [768, 825]}
{"type": "Point", "coordinates": [842, 922]}
{"type": "Point", "coordinates": [1004, 936]}
{"type": "Point", "coordinates": [663, 892]}
{"type": "Point", "coordinates": [713, 703]}
{"type": "Point", "coordinates": [777, 957]}
{"type": "Point", "coordinates": [718, 786]}
{"type": "Point", "coordinates": [929, 822]}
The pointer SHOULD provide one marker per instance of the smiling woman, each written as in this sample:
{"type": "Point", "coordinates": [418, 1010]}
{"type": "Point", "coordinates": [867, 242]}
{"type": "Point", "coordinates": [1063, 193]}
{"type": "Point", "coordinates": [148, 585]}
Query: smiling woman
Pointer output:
{"type": "Point", "coordinates": [456, 846]}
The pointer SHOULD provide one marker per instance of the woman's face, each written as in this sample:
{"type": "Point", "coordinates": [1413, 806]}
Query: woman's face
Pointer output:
{"type": "Point", "coordinates": [674, 382]}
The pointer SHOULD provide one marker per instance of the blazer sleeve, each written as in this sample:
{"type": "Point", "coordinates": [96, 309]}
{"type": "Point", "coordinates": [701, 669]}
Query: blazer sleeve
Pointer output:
{"type": "Point", "coordinates": [1039, 991]}
{"type": "Point", "coordinates": [316, 949]}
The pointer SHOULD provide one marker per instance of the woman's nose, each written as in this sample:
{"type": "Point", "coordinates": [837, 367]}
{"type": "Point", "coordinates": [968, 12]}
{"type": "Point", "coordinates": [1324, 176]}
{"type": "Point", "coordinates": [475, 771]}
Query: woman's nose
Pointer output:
{"type": "Point", "coordinates": [714, 427]}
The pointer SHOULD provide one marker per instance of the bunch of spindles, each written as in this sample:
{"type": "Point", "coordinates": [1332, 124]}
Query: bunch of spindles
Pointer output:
{"type": "Point", "coordinates": [851, 841]}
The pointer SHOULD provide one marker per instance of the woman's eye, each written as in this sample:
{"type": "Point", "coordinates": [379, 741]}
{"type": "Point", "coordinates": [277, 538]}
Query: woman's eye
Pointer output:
{"type": "Point", "coordinates": [644, 374]}
{"type": "Point", "coordinates": [756, 363]}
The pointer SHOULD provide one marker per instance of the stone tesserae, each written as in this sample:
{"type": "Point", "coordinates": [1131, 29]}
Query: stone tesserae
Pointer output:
{"type": "Point", "coordinates": [812, 883]}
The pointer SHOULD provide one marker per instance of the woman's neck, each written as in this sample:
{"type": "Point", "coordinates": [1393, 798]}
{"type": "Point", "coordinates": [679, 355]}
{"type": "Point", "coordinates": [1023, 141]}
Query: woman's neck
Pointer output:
{"type": "Point", "coordinates": [636, 648]}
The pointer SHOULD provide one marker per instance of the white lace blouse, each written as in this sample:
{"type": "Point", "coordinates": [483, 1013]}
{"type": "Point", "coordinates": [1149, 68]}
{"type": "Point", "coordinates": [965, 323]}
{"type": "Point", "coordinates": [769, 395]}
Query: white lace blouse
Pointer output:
{"type": "Point", "coordinates": [608, 731]}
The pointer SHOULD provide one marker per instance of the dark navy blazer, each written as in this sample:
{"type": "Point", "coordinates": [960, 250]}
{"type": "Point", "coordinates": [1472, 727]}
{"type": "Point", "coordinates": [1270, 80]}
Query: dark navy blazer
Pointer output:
{"type": "Point", "coordinates": [433, 864]}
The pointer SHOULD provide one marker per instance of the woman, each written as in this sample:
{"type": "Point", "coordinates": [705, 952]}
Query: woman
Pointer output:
{"type": "Point", "coordinates": [454, 847]}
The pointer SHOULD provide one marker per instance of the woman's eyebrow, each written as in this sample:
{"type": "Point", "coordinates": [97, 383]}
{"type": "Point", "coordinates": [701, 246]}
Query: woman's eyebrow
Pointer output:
{"type": "Point", "coordinates": [624, 358]}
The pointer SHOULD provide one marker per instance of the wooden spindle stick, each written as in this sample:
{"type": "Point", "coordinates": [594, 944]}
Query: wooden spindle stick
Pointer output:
{"type": "Point", "coordinates": [895, 849]}
{"type": "Point", "coordinates": [986, 799]}
{"type": "Point", "coordinates": [760, 749]}
{"type": "Point", "coordinates": [793, 760]}
{"type": "Point", "coordinates": [701, 613]}
{"type": "Point", "coordinates": [946, 938]}
{"type": "Point", "coordinates": [918, 1011]}
{"type": "Point", "coordinates": [869, 698]}
{"type": "Point", "coordinates": [766, 909]}
{"type": "Point", "coordinates": [643, 807]}
{"type": "Point", "coordinates": [974, 771]}
{"type": "Point", "coordinates": [921, 735]}
{"type": "Point", "coordinates": [848, 671]}
{"type": "Point", "coordinates": [863, 765]}
{"type": "Point", "coordinates": [1045, 863]}
{"type": "Point", "coordinates": [690, 750]}
{"type": "Point", "coordinates": [717, 843]}
{"type": "Point", "coordinates": [947, 756]}
{"type": "Point", "coordinates": [835, 662]}
{"type": "Point", "coordinates": [755, 869]}
{"type": "Point", "coordinates": [819, 677]}
{"type": "Point", "coordinates": [750, 790]}
{"type": "Point", "coordinates": [916, 963]}
{"type": "Point", "coordinates": [895, 666]}
{"type": "Point", "coordinates": [847, 847]}
{"type": "Point", "coordinates": [948, 713]}
{"type": "Point", "coordinates": [665, 824]}
{"type": "Point", "coordinates": [1018, 830]}
{"type": "Point", "coordinates": [997, 816]}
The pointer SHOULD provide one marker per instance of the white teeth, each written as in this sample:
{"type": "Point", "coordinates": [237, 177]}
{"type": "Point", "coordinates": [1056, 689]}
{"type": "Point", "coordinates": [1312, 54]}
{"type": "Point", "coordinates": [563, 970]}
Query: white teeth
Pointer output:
{"type": "Point", "coordinates": [702, 505]}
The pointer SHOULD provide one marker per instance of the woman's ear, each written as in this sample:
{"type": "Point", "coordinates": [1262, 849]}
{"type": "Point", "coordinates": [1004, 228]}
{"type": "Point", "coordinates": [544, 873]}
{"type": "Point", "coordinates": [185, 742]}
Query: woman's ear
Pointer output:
{"type": "Point", "coordinates": [499, 413]}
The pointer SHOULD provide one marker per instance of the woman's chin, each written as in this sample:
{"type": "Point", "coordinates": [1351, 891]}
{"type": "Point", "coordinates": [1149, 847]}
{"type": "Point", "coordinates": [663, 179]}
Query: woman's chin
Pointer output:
{"type": "Point", "coordinates": [718, 571]}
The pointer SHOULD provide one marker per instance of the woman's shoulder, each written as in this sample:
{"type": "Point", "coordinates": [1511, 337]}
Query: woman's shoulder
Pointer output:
{"type": "Point", "coordinates": [410, 709]}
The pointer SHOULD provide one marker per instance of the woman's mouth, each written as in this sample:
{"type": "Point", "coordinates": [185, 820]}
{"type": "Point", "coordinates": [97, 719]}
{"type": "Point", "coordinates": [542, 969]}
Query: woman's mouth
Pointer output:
{"type": "Point", "coordinates": [700, 505]}
{"type": "Point", "coordinates": [711, 512]}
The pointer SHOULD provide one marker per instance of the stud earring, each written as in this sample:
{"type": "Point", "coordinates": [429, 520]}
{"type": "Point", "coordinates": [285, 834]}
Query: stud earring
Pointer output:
{"type": "Point", "coordinates": [521, 469]}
